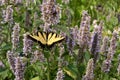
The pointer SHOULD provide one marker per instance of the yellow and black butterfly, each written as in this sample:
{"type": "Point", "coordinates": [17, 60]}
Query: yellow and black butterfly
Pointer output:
{"type": "Point", "coordinates": [47, 39]}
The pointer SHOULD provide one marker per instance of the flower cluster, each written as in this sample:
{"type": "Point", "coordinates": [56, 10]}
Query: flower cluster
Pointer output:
{"type": "Point", "coordinates": [27, 44]}
{"type": "Point", "coordinates": [84, 32]}
{"type": "Point", "coordinates": [70, 41]}
{"type": "Point", "coordinates": [11, 60]}
{"type": "Point", "coordinates": [50, 12]}
{"type": "Point", "coordinates": [60, 75]}
{"type": "Point", "coordinates": [89, 72]}
{"type": "Point", "coordinates": [19, 68]}
{"type": "Point", "coordinates": [107, 63]}
{"type": "Point", "coordinates": [38, 56]}
{"type": "Point", "coordinates": [17, 65]}
{"type": "Point", "coordinates": [60, 58]}
{"type": "Point", "coordinates": [96, 40]}
{"type": "Point", "coordinates": [15, 36]}
{"type": "Point", "coordinates": [104, 47]}
{"type": "Point", "coordinates": [98, 31]}
{"type": "Point", "coordinates": [8, 14]}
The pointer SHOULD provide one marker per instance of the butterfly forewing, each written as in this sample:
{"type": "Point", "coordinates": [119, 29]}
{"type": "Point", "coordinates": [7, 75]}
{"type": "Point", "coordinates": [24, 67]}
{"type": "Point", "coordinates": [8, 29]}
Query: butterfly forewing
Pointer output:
{"type": "Point", "coordinates": [34, 37]}
{"type": "Point", "coordinates": [54, 38]}
{"type": "Point", "coordinates": [45, 36]}
{"type": "Point", "coordinates": [58, 38]}
{"type": "Point", "coordinates": [41, 38]}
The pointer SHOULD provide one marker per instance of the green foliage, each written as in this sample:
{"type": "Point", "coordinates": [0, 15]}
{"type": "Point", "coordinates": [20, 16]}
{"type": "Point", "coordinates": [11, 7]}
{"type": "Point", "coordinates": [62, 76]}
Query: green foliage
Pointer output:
{"type": "Point", "coordinates": [71, 71]}
{"type": "Point", "coordinates": [36, 78]}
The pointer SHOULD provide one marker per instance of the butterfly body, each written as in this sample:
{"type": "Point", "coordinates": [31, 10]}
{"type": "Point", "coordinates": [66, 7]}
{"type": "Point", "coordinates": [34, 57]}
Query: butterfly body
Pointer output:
{"type": "Point", "coordinates": [47, 39]}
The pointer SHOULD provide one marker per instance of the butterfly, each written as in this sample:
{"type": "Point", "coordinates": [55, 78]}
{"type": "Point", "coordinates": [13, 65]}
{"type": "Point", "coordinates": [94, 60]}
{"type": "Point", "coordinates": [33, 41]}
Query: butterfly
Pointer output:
{"type": "Point", "coordinates": [47, 38]}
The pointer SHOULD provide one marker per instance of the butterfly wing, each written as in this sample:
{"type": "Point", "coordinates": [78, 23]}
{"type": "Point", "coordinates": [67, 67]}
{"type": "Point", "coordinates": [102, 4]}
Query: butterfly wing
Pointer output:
{"type": "Point", "coordinates": [53, 38]}
{"type": "Point", "coordinates": [50, 35]}
{"type": "Point", "coordinates": [41, 37]}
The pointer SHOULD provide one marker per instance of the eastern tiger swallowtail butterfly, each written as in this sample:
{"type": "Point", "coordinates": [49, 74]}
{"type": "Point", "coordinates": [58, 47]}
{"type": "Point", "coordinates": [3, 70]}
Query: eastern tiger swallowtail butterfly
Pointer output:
{"type": "Point", "coordinates": [47, 39]}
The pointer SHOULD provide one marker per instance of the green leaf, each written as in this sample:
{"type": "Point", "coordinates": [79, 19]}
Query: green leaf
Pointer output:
{"type": "Point", "coordinates": [87, 56]}
{"type": "Point", "coordinates": [71, 72]}
{"type": "Point", "coordinates": [36, 78]}
{"type": "Point", "coordinates": [4, 74]}
{"type": "Point", "coordinates": [6, 47]}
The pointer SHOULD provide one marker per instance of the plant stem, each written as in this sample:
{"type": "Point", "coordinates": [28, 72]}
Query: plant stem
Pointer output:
{"type": "Point", "coordinates": [79, 61]}
{"type": "Point", "coordinates": [48, 70]}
